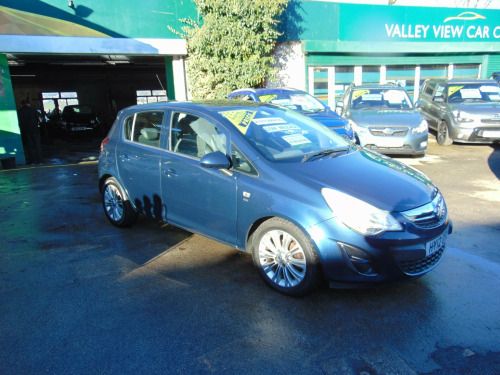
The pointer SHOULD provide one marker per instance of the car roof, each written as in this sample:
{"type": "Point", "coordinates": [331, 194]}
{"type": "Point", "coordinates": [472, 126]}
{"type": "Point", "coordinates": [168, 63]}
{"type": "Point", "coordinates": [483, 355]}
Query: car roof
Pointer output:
{"type": "Point", "coordinates": [460, 81]}
{"type": "Point", "coordinates": [265, 91]}
{"type": "Point", "coordinates": [212, 107]}
{"type": "Point", "coordinates": [378, 86]}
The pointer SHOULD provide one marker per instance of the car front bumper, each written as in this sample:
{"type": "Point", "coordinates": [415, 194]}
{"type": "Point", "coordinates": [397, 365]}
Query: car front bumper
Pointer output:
{"type": "Point", "coordinates": [477, 133]}
{"type": "Point", "coordinates": [409, 144]}
{"type": "Point", "coordinates": [357, 261]}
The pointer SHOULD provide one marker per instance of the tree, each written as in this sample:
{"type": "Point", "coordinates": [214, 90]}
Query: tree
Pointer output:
{"type": "Point", "coordinates": [231, 46]}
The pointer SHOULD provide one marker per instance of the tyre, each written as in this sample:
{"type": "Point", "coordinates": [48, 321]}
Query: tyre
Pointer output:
{"type": "Point", "coordinates": [116, 205]}
{"type": "Point", "coordinates": [443, 134]}
{"type": "Point", "coordinates": [285, 257]}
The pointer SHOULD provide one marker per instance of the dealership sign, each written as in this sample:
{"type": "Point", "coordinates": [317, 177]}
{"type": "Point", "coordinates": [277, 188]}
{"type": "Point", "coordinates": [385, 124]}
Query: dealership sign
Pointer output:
{"type": "Point", "coordinates": [444, 31]}
{"type": "Point", "coordinates": [424, 24]}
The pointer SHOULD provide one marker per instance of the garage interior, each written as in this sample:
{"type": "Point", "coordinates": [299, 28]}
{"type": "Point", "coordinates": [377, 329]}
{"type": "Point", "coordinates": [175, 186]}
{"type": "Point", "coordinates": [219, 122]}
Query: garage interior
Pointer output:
{"type": "Point", "coordinates": [106, 83]}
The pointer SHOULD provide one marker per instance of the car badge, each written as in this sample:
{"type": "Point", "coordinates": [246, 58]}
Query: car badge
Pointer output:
{"type": "Point", "coordinates": [440, 209]}
{"type": "Point", "coordinates": [388, 131]}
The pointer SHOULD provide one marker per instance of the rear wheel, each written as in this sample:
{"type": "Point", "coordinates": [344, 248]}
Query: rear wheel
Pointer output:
{"type": "Point", "coordinates": [116, 205]}
{"type": "Point", "coordinates": [285, 257]}
{"type": "Point", "coordinates": [443, 134]}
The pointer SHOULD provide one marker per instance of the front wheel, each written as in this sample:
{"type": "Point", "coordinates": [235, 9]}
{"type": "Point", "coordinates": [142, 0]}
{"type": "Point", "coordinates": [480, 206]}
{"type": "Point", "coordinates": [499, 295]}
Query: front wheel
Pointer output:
{"type": "Point", "coordinates": [116, 206]}
{"type": "Point", "coordinates": [443, 134]}
{"type": "Point", "coordinates": [285, 257]}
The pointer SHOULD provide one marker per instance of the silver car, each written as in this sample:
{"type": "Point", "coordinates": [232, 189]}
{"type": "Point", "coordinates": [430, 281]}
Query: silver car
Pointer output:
{"type": "Point", "coordinates": [465, 111]}
{"type": "Point", "coordinates": [385, 120]}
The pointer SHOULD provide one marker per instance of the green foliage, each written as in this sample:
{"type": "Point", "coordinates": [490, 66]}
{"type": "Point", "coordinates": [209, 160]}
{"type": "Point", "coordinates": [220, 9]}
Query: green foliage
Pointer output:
{"type": "Point", "coordinates": [231, 48]}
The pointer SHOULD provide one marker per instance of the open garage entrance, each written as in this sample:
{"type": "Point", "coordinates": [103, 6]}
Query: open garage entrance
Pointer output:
{"type": "Point", "coordinates": [105, 83]}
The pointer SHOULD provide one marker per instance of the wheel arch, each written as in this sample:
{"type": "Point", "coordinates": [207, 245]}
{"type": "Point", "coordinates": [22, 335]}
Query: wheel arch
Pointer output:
{"type": "Point", "coordinates": [257, 223]}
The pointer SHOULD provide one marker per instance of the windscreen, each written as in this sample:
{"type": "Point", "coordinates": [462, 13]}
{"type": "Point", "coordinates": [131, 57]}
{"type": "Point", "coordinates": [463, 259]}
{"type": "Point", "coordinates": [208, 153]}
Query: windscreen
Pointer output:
{"type": "Point", "coordinates": [380, 98]}
{"type": "Point", "coordinates": [283, 135]}
{"type": "Point", "coordinates": [473, 92]}
{"type": "Point", "coordinates": [296, 101]}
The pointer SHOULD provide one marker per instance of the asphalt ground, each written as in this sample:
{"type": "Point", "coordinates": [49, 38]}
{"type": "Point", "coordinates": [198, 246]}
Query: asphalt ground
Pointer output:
{"type": "Point", "coordinates": [79, 296]}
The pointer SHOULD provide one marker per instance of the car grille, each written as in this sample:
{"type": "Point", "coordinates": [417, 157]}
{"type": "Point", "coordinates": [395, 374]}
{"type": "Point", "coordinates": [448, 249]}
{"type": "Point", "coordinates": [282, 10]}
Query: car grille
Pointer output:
{"type": "Point", "coordinates": [385, 131]}
{"type": "Point", "coordinates": [494, 120]}
{"type": "Point", "coordinates": [420, 266]}
{"type": "Point", "coordinates": [430, 215]}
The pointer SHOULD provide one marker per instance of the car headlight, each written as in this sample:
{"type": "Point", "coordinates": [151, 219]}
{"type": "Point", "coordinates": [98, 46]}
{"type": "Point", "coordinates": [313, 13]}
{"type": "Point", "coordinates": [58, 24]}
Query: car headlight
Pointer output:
{"type": "Point", "coordinates": [356, 128]}
{"type": "Point", "coordinates": [348, 127]}
{"type": "Point", "coordinates": [462, 116]}
{"type": "Point", "coordinates": [358, 215]}
{"type": "Point", "coordinates": [423, 127]}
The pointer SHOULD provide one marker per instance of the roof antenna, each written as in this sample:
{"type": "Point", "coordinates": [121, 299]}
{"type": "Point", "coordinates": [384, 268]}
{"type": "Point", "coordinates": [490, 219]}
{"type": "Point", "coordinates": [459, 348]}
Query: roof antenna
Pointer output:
{"type": "Point", "coordinates": [160, 82]}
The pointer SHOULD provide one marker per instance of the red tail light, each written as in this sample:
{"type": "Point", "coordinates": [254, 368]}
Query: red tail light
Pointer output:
{"type": "Point", "coordinates": [103, 143]}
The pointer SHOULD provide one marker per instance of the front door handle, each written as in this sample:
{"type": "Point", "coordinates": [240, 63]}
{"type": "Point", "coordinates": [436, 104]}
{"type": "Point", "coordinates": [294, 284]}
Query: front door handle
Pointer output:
{"type": "Point", "coordinates": [170, 172]}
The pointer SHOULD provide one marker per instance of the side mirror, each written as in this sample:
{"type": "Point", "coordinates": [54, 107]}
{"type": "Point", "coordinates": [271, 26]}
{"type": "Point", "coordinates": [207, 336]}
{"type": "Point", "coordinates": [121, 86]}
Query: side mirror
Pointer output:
{"type": "Point", "coordinates": [215, 160]}
{"type": "Point", "coordinates": [339, 108]}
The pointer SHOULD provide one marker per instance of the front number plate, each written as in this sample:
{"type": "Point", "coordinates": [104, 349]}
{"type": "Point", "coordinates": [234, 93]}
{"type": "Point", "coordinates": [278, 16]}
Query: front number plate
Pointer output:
{"type": "Point", "coordinates": [436, 244]}
{"type": "Point", "coordinates": [491, 133]}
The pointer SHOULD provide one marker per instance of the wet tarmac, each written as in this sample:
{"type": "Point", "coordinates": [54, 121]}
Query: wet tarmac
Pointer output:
{"type": "Point", "coordinates": [79, 296]}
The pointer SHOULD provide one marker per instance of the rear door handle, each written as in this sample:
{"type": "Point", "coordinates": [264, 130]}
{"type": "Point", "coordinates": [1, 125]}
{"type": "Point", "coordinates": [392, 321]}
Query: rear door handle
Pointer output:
{"type": "Point", "coordinates": [124, 157]}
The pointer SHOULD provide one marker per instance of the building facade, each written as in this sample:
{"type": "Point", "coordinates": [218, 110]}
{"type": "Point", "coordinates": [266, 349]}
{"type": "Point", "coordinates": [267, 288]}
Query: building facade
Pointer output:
{"type": "Point", "coordinates": [111, 55]}
{"type": "Point", "coordinates": [341, 43]}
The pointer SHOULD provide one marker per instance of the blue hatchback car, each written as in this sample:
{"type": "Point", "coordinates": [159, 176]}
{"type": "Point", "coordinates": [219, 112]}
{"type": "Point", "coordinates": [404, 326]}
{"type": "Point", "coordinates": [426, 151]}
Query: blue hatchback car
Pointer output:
{"type": "Point", "coordinates": [309, 205]}
{"type": "Point", "coordinates": [299, 101]}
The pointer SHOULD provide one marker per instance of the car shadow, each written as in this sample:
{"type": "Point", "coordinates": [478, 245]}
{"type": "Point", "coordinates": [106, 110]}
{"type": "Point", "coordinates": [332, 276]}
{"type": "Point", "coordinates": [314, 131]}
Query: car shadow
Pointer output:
{"type": "Point", "coordinates": [494, 160]}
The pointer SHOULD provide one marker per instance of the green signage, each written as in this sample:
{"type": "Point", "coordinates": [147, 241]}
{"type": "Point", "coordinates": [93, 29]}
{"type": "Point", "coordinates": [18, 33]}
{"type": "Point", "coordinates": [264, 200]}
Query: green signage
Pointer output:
{"type": "Point", "coordinates": [418, 24]}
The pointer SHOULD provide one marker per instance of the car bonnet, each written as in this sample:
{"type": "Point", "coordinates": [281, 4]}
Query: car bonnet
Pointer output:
{"type": "Point", "coordinates": [327, 118]}
{"type": "Point", "coordinates": [478, 108]}
{"type": "Point", "coordinates": [379, 117]}
{"type": "Point", "coordinates": [376, 179]}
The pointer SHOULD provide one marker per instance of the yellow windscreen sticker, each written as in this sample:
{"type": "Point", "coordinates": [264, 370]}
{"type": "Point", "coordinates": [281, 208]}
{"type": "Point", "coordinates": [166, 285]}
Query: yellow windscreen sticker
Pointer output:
{"type": "Point", "coordinates": [357, 93]}
{"type": "Point", "coordinates": [453, 89]}
{"type": "Point", "coordinates": [267, 98]}
{"type": "Point", "coordinates": [241, 118]}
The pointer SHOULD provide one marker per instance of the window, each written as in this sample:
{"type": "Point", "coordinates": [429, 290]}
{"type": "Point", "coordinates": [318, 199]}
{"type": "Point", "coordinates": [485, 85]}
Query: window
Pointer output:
{"type": "Point", "coordinates": [151, 96]}
{"type": "Point", "coordinates": [195, 136]}
{"type": "Point", "coordinates": [465, 71]}
{"type": "Point", "coordinates": [242, 97]}
{"type": "Point", "coordinates": [54, 102]}
{"type": "Point", "coordinates": [344, 76]}
{"type": "Point", "coordinates": [429, 89]}
{"type": "Point", "coordinates": [371, 74]}
{"type": "Point", "coordinates": [144, 128]}
{"type": "Point", "coordinates": [321, 84]}
{"type": "Point", "coordinates": [240, 162]}
{"type": "Point", "coordinates": [433, 71]}
{"type": "Point", "coordinates": [403, 75]}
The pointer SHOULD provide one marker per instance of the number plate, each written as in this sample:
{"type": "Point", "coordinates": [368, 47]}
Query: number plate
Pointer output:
{"type": "Point", "coordinates": [390, 142]}
{"type": "Point", "coordinates": [436, 244]}
{"type": "Point", "coordinates": [491, 134]}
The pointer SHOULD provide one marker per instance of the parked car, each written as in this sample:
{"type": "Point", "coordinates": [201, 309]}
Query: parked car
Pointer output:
{"type": "Point", "coordinates": [299, 101]}
{"type": "Point", "coordinates": [465, 111]}
{"type": "Point", "coordinates": [384, 119]}
{"type": "Point", "coordinates": [77, 119]}
{"type": "Point", "coordinates": [495, 76]}
{"type": "Point", "coordinates": [308, 204]}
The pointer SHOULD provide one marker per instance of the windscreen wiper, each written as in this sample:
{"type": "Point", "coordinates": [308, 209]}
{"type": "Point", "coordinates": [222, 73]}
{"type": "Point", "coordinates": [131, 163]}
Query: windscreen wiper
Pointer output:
{"type": "Point", "coordinates": [332, 152]}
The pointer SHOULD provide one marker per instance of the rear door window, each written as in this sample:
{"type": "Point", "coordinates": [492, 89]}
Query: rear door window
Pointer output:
{"type": "Point", "coordinates": [144, 128]}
